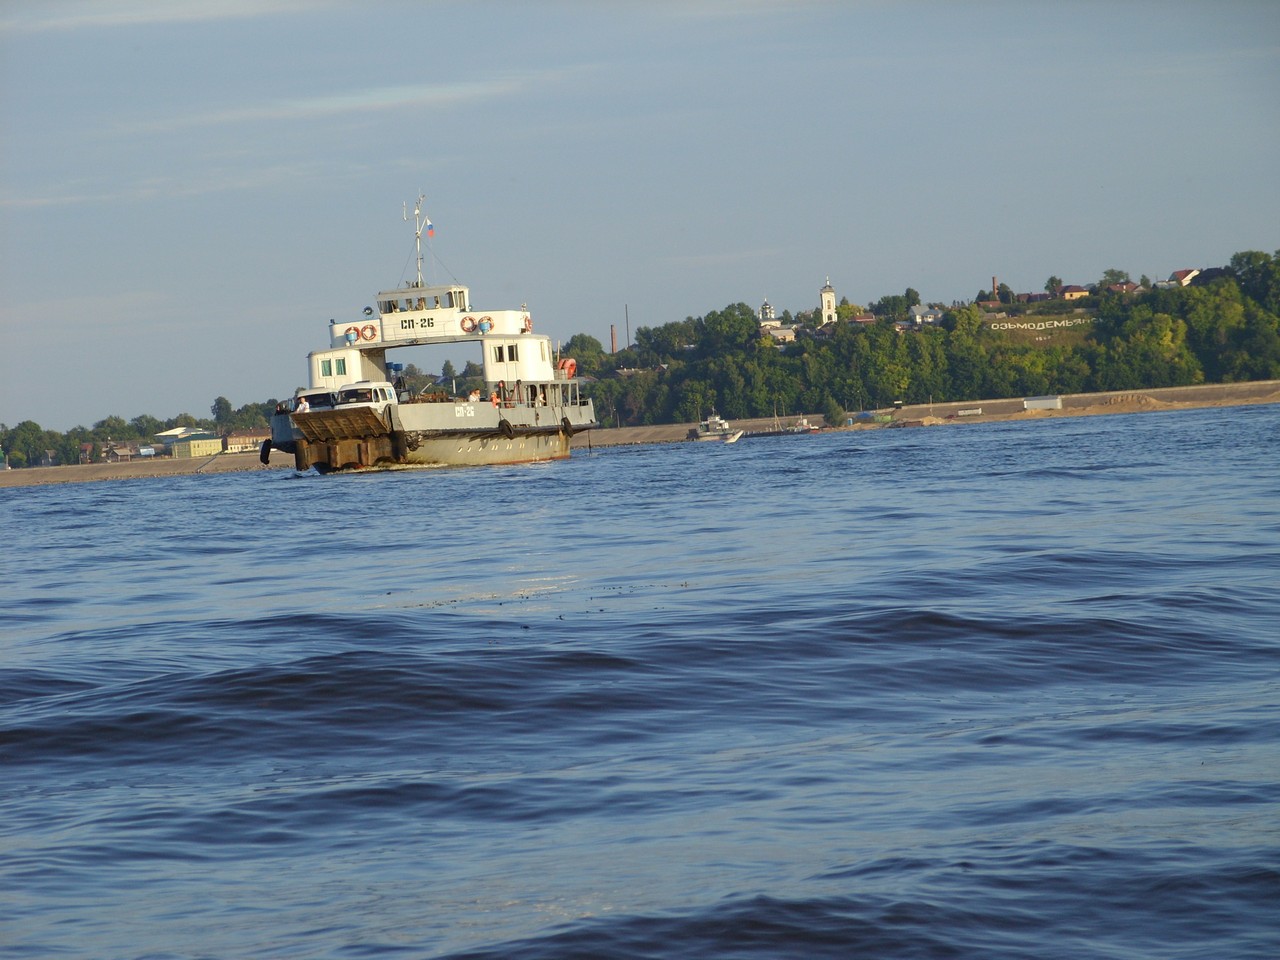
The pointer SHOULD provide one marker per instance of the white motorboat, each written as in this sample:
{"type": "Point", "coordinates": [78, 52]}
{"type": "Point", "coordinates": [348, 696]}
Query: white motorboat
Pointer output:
{"type": "Point", "coordinates": [714, 428]}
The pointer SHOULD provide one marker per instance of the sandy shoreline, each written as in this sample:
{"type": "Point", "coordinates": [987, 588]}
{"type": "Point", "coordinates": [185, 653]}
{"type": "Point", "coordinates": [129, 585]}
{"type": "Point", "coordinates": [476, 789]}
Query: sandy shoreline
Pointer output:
{"type": "Point", "coordinates": [1073, 405]}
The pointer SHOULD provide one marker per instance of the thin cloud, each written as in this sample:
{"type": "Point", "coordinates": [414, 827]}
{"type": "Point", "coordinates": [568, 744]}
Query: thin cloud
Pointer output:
{"type": "Point", "coordinates": [86, 310]}
{"type": "Point", "coordinates": [170, 188]}
{"type": "Point", "coordinates": [302, 110]}
{"type": "Point", "coordinates": [1205, 65]}
{"type": "Point", "coordinates": [99, 14]}
{"type": "Point", "coordinates": [737, 9]}
{"type": "Point", "coordinates": [374, 98]}
{"type": "Point", "coordinates": [724, 258]}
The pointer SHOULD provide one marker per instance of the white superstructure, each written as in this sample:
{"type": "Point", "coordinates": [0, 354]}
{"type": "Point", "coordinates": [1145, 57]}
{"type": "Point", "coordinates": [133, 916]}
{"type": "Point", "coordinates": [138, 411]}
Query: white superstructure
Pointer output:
{"type": "Point", "coordinates": [529, 409]}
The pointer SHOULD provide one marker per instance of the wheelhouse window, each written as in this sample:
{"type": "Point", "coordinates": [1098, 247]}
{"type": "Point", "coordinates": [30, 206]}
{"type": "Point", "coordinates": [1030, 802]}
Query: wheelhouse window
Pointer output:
{"type": "Point", "coordinates": [342, 366]}
{"type": "Point", "coordinates": [326, 368]}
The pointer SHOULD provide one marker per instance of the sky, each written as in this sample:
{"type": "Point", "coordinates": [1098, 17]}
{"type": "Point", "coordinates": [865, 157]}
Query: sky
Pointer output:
{"type": "Point", "coordinates": [191, 189]}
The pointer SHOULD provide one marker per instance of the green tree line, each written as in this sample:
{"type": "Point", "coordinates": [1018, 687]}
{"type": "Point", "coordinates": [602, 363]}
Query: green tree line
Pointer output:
{"type": "Point", "coordinates": [28, 444]}
{"type": "Point", "coordinates": [1225, 327]}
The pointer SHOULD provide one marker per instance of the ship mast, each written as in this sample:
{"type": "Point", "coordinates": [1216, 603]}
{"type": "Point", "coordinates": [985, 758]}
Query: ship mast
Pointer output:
{"type": "Point", "coordinates": [420, 220]}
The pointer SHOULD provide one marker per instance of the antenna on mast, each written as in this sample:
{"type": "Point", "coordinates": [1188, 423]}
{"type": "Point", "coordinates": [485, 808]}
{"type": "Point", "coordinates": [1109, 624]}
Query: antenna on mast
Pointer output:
{"type": "Point", "coordinates": [420, 220]}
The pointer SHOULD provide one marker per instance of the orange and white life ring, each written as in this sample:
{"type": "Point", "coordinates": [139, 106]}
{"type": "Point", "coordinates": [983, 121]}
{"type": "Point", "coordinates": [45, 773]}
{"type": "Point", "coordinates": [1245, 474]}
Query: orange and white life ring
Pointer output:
{"type": "Point", "coordinates": [468, 324]}
{"type": "Point", "coordinates": [528, 324]}
{"type": "Point", "coordinates": [353, 329]}
{"type": "Point", "coordinates": [369, 332]}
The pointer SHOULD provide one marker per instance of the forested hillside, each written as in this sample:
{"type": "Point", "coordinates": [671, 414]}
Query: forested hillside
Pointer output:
{"type": "Point", "coordinates": [1224, 327]}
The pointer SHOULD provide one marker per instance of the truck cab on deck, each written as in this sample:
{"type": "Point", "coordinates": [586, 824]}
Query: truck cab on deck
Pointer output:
{"type": "Point", "coordinates": [378, 394]}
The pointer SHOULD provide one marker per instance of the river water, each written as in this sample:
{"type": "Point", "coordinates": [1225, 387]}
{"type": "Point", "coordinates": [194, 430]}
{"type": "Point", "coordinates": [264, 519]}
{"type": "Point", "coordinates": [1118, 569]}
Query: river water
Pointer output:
{"type": "Point", "coordinates": [998, 690]}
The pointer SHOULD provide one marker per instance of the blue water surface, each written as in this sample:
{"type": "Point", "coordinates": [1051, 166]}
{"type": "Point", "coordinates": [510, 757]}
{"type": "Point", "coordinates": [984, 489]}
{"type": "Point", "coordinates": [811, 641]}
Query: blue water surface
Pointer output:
{"type": "Point", "coordinates": [995, 690]}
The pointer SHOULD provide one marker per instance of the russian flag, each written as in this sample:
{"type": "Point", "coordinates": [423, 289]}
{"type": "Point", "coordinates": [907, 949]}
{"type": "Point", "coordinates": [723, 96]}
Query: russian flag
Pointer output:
{"type": "Point", "coordinates": [431, 229]}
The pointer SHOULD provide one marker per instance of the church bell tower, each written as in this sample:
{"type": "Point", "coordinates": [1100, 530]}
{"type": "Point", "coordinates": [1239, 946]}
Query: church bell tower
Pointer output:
{"type": "Point", "coordinates": [828, 303]}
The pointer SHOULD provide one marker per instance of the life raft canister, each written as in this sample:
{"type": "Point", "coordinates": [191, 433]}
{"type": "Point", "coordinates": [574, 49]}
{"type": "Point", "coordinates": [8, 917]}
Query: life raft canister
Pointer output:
{"type": "Point", "coordinates": [369, 332]}
{"type": "Point", "coordinates": [468, 324]}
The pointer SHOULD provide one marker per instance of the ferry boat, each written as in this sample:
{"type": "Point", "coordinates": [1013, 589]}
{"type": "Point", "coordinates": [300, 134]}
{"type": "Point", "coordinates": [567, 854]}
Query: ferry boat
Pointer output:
{"type": "Point", "coordinates": [356, 414]}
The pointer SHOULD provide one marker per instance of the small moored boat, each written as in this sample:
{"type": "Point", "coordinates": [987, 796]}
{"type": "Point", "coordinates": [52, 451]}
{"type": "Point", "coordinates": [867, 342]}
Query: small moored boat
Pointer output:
{"type": "Point", "coordinates": [714, 428]}
{"type": "Point", "coordinates": [802, 426]}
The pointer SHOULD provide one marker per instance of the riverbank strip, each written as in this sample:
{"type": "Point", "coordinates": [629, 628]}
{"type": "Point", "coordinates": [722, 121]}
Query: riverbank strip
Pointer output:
{"type": "Point", "coordinates": [1073, 405]}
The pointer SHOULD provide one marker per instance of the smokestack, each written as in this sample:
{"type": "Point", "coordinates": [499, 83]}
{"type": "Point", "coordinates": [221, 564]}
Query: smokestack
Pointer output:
{"type": "Point", "coordinates": [995, 289]}
{"type": "Point", "coordinates": [613, 338]}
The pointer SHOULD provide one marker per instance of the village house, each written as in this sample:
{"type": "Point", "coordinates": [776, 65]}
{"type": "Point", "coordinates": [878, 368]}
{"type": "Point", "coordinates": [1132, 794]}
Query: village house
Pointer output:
{"type": "Point", "coordinates": [169, 437]}
{"type": "Point", "coordinates": [925, 315]}
{"type": "Point", "coordinates": [243, 441]}
{"type": "Point", "coordinates": [196, 447]}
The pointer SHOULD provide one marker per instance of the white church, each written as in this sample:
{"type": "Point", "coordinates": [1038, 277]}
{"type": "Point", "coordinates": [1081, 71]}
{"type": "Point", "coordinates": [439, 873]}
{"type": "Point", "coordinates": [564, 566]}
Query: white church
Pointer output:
{"type": "Point", "coordinates": [770, 324]}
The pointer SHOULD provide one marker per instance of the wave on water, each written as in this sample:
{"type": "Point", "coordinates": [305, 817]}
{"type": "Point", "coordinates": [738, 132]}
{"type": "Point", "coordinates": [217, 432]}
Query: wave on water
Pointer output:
{"type": "Point", "coordinates": [974, 912]}
{"type": "Point", "coordinates": [999, 691]}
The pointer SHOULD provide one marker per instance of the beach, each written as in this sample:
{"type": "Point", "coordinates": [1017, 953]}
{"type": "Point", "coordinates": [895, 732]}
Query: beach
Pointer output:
{"type": "Point", "coordinates": [1163, 399]}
